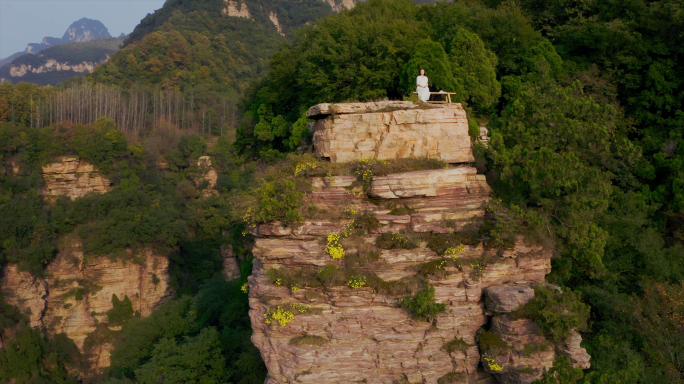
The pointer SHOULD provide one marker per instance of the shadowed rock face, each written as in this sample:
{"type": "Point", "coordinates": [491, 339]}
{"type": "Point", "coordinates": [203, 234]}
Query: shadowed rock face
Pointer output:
{"type": "Point", "coordinates": [390, 130]}
{"type": "Point", "coordinates": [77, 293]}
{"type": "Point", "coordinates": [354, 334]}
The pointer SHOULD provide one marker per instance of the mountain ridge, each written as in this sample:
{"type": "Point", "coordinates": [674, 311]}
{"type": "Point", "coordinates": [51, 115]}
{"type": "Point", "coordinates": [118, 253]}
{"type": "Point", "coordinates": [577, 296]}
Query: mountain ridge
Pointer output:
{"type": "Point", "coordinates": [54, 59]}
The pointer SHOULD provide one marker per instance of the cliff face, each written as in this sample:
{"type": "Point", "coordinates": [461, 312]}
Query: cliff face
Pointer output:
{"type": "Point", "coordinates": [207, 176]}
{"type": "Point", "coordinates": [73, 177]}
{"type": "Point", "coordinates": [355, 331]}
{"type": "Point", "coordinates": [53, 66]}
{"type": "Point", "coordinates": [77, 294]}
{"type": "Point", "coordinates": [235, 9]}
{"type": "Point", "coordinates": [390, 130]}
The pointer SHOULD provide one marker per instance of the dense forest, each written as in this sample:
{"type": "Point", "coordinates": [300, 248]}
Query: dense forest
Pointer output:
{"type": "Point", "coordinates": [584, 105]}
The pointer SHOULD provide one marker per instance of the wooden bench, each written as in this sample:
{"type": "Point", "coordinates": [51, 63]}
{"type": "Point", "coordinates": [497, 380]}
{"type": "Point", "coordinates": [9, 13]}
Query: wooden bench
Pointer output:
{"type": "Point", "coordinates": [447, 99]}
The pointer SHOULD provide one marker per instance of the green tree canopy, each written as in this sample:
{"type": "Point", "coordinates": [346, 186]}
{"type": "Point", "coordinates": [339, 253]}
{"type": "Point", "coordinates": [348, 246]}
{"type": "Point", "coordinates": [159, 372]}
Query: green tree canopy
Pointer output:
{"type": "Point", "coordinates": [430, 56]}
{"type": "Point", "coordinates": [474, 67]}
{"type": "Point", "coordinates": [197, 359]}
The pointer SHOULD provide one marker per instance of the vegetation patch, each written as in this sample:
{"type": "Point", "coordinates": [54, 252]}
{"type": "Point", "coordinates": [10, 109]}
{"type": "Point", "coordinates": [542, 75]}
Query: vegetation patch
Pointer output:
{"type": "Point", "coordinates": [556, 313]}
{"type": "Point", "coordinates": [437, 268]}
{"type": "Point", "coordinates": [455, 345]}
{"type": "Point", "coordinates": [404, 286]}
{"type": "Point", "coordinates": [333, 247]}
{"type": "Point", "coordinates": [397, 240]}
{"type": "Point", "coordinates": [402, 210]}
{"type": "Point", "coordinates": [533, 348]}
{"type": "Point", "coordinates": [441, 242]}
{"type": "Point", "coordinates": [422, 305]}
{"type": "Point", "coordinates": [280, 315]}
{"type": "Point", "coordinates": [357, 282]}
{"type": "Point", "coordinates": [492, 344]}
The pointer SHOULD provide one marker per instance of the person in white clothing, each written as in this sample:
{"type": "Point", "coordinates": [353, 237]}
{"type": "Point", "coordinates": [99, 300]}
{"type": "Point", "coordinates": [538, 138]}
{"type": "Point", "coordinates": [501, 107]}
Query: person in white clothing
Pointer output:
{"type": "Point", "coordinates": [422, 86]}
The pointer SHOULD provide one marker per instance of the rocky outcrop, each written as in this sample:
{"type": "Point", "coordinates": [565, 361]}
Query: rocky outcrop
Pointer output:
{"type": "Point", "coordinates": [78, 291]}
{"type": "Point", "coordinates": [319, 319]}
{"type": "Point", "coordinates": [231, 267]}
{"type": "Point", "coordinates": [274, 19]}
{"type": "Point", "coordinates": [236, 9]}
{"type": "Point", "coordinates": [507, 298]}
{"type": "Point", "coordinates": [341, 5]}
{"type": "Point", "coordinates": [52, 65]}
{"type": "Point", "coordinates": [390, 130]}
{"type": "Point", "coordinates": [527, 352]}
{"type": "Point", "coordinates": [25, 291]}
{"type": "Point", "coordinates": [73, 178]}
{"type": "Point", "coordinates": [365, 335]}
{"type": "Point", "coordinates": [207, 175]}
{"type": "Point", "coordinates": [359, 334]}
{"type": "Point", "coordinates": [572, 349]}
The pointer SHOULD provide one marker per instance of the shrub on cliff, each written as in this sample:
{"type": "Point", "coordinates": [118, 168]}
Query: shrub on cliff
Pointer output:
{"type": "Point", "coordinates": [491, 343]}
{"type": "Point", "coordinates": [556, 313]}
{"type": "Point", "coordinates": [276, 201]}
{"type": "Point", "coordinates": [398, 240]}
{"type": "Point", "coordinates": [422, 305]}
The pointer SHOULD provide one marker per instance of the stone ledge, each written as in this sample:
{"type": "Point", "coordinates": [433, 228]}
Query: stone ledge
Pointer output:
{"type": "Point", "coordinates": [324, 110]}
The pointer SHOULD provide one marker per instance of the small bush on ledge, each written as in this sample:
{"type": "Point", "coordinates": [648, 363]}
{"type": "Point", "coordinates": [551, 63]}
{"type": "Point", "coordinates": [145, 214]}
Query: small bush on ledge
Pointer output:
{"type": "Point", "coordinates": [398, 240]}
{"type": "Point", "coordinates": [492, 344]}
{"type": "Point", "coordinates": [423, 305]}
{"type": "Point", "coordinates": [455, 345]}
{"type": "Point", "coordinates": [556, 313]}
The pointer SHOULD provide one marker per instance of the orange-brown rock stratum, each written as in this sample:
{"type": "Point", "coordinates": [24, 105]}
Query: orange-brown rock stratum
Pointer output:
{"type": "Point", "coordinates": [326, 294]}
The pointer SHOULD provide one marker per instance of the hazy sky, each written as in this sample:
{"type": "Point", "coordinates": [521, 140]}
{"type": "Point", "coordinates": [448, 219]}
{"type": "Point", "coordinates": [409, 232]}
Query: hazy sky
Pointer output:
{"type": "Point", "coordinates": [28, 21]}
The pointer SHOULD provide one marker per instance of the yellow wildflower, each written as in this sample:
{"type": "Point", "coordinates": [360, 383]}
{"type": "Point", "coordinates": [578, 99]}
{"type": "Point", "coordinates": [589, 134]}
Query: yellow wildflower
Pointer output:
{"type": "Point", "coordinates": [334, 248]}
{"type": "Point", "coordinates": [282, 316]}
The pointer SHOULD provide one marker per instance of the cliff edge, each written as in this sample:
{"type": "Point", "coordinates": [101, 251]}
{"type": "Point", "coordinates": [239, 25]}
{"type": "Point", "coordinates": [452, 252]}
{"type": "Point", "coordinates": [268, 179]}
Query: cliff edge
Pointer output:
{"type": "Point", "coordinates": [400, 284]}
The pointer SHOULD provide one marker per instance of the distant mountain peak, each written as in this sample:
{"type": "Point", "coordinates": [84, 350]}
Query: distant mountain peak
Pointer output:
{"type": "Point", "coordinates": [85, 30]}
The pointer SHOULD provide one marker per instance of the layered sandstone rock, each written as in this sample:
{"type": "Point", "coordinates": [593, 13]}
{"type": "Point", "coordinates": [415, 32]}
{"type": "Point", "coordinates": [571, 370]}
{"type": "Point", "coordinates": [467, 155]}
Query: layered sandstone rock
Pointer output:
{"type": "Point", "coordinates": [390, 130]}
{"type": "Point", "coordinates": [347, 333]}
{"type": "Point", "coordinates": [363, 334]}
{"type": "Point", "coordinates": [528, 352]}
{"type": "Point", "coordinates": [73, 178]}
{"type": "Point", "coordinates": [77, 292]}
